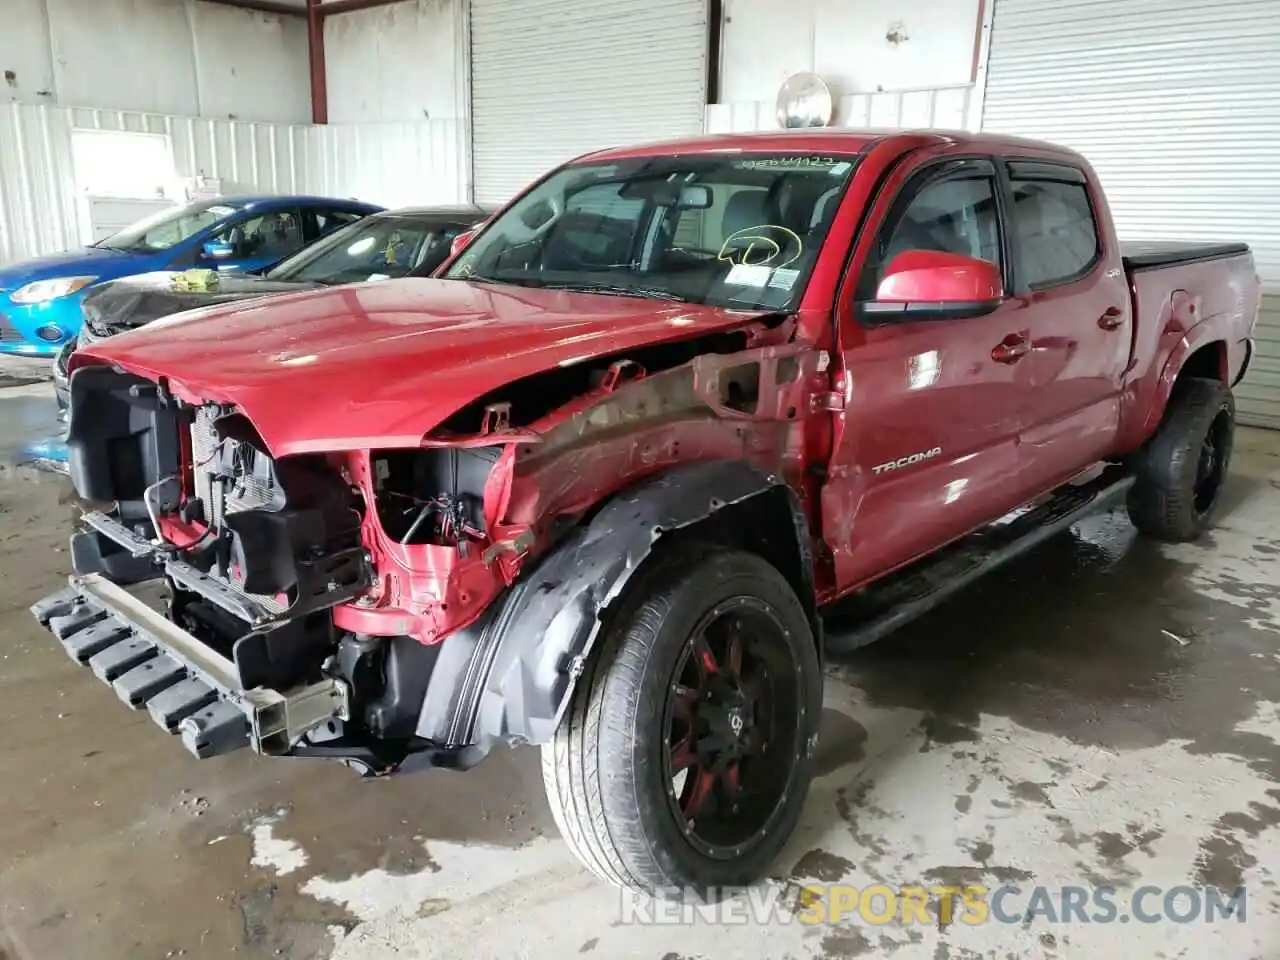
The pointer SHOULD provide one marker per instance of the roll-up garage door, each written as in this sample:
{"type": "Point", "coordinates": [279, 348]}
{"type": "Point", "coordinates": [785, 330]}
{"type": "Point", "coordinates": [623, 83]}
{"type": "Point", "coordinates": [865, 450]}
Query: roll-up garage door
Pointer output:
{"type": "Point", "coordinates": [552, 79]}
{"type": "Point", "coordinates": [1177, 105]}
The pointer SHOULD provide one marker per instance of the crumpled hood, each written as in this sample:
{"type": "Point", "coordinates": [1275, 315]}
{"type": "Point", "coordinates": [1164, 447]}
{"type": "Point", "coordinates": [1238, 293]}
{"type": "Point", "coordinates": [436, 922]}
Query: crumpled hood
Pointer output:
{"type": "Point", "coordinates": [136, 301]}
{"type": "Point", "coordinates": [380, 364]}
{"type": "Point", "coordinates": [85, 261]}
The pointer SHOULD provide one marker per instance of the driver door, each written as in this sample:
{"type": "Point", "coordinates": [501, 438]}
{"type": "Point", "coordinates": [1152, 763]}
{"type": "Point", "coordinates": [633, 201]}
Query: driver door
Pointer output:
{"type": "Point", "coordinates": [925, 449]}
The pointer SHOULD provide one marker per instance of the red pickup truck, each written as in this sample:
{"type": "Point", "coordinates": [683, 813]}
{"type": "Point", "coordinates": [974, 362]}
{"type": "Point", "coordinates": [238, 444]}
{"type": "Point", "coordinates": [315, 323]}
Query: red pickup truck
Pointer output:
{"type": "Point", "coordinates": [595, 487]}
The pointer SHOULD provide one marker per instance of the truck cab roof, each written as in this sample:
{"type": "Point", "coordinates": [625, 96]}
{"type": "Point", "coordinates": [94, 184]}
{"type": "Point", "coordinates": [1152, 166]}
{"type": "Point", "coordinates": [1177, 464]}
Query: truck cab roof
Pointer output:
{"type": "Point", "coordinates": [847, 141]}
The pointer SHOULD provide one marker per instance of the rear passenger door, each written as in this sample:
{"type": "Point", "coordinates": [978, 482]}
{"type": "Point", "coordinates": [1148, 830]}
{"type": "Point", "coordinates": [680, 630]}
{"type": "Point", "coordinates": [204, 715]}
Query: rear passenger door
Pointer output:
{"type": "Point", "coordinates": [1077, 309]}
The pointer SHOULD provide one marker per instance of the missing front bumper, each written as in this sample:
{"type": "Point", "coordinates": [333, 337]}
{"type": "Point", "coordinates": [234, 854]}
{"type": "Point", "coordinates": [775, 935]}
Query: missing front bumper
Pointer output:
{"type": "Point", "coordinates": [186, 687]}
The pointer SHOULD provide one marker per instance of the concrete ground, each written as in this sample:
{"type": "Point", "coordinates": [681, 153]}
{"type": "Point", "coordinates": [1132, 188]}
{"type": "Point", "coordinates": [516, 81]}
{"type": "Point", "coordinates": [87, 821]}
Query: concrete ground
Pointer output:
{"type": "Point", "coordinates": [1104, 713]}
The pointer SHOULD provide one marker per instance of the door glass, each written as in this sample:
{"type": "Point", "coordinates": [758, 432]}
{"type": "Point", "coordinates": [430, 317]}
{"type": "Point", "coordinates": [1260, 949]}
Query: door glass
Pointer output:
{"type": "Point", "coordinates": [1057, 236]}
{"type": "Point", "coordinates": [269, 236]}
{"type": "Point", "coordinates": [957, 215]}
{"type": "Point", "coordinates": [330, 220]}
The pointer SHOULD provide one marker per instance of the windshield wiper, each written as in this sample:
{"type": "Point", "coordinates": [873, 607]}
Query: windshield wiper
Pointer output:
{"type": "Point", "coordinates": [649, 293]}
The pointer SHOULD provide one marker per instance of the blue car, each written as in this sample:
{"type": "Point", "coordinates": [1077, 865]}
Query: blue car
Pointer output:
{"type": "Point", "coordinates": [40, 298]}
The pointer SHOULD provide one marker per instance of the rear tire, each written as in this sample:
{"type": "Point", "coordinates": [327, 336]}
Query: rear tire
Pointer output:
{"type": "Point", "coordinates": [1180, 470]}
{"type": "Point", "coordinates": [669, 690]}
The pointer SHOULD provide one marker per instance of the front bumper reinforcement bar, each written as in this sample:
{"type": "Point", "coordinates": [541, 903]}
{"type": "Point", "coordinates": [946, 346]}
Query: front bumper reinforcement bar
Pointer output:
{"type": "Point", "coordinates": [187, 687]}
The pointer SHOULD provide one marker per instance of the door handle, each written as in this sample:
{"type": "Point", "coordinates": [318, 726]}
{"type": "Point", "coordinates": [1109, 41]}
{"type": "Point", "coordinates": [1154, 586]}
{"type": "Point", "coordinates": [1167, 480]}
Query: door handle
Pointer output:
{"type": "Point", "coordinates": [1112, 319]}
{"type": "Point", "coordinates": [1011, 349]}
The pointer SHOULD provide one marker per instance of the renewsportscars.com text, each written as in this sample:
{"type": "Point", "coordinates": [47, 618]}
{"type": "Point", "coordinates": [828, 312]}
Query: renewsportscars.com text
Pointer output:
{"type": "Point", "coordinates": [974, 905]}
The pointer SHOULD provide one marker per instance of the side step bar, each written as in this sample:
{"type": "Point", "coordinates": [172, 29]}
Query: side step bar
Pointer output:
{"type": "Point", "coordinates": [886, 605]}
{"type": "Point", "coordinates": [187, 687]}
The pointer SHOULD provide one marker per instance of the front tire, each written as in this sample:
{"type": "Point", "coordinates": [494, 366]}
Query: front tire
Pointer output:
{"type": "Point", "coordinates": [682, 764]}
{"type": "Point", "coordinates": [1180, 471]}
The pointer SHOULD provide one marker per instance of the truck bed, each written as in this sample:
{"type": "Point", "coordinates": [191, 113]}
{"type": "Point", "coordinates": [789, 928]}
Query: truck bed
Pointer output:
{"type": "Point", "coordinates": [1154, 254]}
{"type": "Point", "coordinates": [1178, 287]}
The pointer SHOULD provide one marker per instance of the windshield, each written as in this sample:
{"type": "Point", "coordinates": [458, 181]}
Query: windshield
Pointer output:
{"type": "Point", "coordinates": [164, 229]}
{"type": "Point", "coordinates": [740, 230]}
{"type": "Point", "coordinates": [373, 249]}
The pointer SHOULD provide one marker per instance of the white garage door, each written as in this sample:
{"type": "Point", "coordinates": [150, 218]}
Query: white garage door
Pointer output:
{"type": "Point", "coordinates": [552, 79]}
{"type": "Point", "coordinates": [1177, 105]}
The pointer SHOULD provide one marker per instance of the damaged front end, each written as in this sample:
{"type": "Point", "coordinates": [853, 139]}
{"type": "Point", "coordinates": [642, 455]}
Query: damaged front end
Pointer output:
{"type": "Point", "coordinates": [404, 606]}
{"type": "Point", "coordinates": [234, 563]}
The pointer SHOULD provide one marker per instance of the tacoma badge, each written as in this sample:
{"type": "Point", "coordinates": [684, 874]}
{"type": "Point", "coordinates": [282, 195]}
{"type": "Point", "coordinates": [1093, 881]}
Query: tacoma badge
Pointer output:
{"type": "Point", "coordinates": [906, 461]}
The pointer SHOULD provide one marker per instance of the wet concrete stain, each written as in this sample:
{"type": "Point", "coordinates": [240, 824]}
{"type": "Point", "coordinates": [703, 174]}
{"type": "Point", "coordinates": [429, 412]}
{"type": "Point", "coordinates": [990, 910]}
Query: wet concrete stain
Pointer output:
{"type": "Point", "coordinates": [852, 803]}
{"type": "Point", "coordinates": [971, 876]}
{"type": "Point", "coordinates": [1067, 831]}
{"type": "Point", "coordinates": [945, 951]}
{"type": "Point", "coordinates": [1061, 767]}
{"type": "Point", "coordinates": [589, 945]}
{"type": "Point", "coordinates": [1083, 642]}
{"type": "Point", "coordinates": [1031, 792]}
{"type": "Point", "coordinates": [1260, 817]}
{"type": "Point", "coordinates": [945, 730]}
{"type": "Point", "coordinates": [1112, 846]}
{"type": "Point", "coordinates": [1221, 862]}
{"type": "Point", "coordinates": [823, 866]}
{"type": "Point", "coordinates": [846, 943]}
{"type": "Point", "coordinates": [887, 946]}
{"type": "Point", "coordinates": [963, 803]}
{"type": "Point", "coordinates": [842, 741]}
{"type": "Point", "coordinates": [982, 852]}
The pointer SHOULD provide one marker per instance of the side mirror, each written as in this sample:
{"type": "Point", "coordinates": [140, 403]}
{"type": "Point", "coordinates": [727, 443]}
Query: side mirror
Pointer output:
{"type": "Point", "coordinates": [933, 285]}
{"type": "Point", "coordinates": [217, 250]}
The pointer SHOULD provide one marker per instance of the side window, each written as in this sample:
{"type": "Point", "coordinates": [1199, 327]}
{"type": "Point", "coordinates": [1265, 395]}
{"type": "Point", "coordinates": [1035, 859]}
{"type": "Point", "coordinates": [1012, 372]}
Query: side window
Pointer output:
{"type": "Point", "coordinates": [276, 235]}
{"type": "Point", "coordinates": [329, 220]}
{"type": "Point", "coordinates": [952, 215]}
{"type": "Point", "coordinates": [1057, 234]}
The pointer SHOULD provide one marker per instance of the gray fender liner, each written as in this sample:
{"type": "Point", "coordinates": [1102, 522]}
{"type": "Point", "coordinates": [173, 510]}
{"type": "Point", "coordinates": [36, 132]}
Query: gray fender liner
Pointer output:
{"type": "Point", "coordinates": [534, 646]}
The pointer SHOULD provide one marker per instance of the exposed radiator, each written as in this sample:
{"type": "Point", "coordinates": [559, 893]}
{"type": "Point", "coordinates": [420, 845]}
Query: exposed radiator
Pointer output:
{"type": "Point", "coordinates": [230, 476]}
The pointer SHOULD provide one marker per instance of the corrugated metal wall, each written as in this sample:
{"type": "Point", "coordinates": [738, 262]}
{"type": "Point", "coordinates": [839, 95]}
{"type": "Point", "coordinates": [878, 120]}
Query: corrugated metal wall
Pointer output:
{"type": "Point", "coordinates": [37, 183]}
{"type": "Point", "coordinates": [551, 80]}
{"type": "Point", "coordinates": [946, 107]}
{"type": "Point", "coordinates": [394, 164]}
{"type": "Point", "coordinates": [1258, 397]}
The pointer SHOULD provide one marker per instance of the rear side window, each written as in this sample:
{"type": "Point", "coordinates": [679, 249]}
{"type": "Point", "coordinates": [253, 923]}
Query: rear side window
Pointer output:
{"type": "Point", "coordinates": [1056, 230]}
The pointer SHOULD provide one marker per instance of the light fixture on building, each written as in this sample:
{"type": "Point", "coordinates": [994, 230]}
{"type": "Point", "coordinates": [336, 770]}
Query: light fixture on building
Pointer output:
{"type": "Point", "coordinates": [805, 101]}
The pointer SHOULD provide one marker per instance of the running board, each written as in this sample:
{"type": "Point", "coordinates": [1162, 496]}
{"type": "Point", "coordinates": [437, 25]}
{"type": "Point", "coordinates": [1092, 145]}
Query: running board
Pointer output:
{"type": "Point", "coordinates": [885, 605]}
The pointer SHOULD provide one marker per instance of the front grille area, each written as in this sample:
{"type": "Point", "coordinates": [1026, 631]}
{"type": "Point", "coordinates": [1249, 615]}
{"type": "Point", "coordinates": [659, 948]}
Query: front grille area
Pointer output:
{"type": "Point", "coordinates": [8, 332]}
{"type": "Point", "coordinates": [229, 475]}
